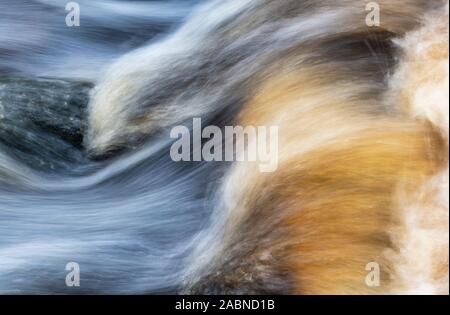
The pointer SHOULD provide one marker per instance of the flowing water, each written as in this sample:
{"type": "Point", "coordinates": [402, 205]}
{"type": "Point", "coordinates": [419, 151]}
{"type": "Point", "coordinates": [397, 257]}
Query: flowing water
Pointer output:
{"type": "Point", "coordinates": [85, 115]}
{"type": "Point", "coordinates": [128, 222]}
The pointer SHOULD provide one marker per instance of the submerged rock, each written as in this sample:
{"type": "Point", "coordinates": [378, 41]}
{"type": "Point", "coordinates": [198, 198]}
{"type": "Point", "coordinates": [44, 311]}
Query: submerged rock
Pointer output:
{"type": "Point", "coordinates": [42, 120]}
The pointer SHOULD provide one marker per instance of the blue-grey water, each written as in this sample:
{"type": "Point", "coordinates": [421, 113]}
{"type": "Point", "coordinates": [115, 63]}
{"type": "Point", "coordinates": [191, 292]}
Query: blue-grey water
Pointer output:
{"type": "Point", "coordinates": [128, 221]}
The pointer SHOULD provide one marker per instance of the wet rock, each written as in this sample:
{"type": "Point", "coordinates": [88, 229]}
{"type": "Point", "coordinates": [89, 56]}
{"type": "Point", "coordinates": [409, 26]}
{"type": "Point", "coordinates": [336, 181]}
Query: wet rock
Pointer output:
{"type": "Point", "coordinates": [42, 120]}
